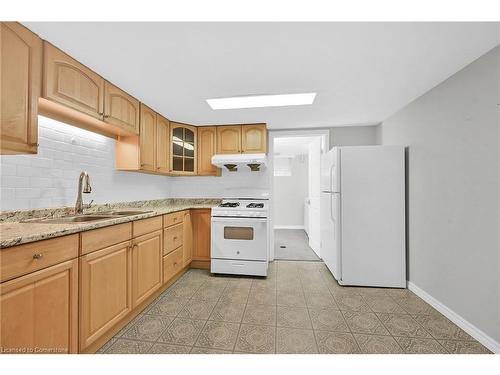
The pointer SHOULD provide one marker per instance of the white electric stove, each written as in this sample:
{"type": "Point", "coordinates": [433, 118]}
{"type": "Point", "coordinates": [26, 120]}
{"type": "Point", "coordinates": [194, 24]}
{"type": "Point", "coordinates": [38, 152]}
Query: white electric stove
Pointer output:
{"type": "Point", "coordinates": [239, 237]}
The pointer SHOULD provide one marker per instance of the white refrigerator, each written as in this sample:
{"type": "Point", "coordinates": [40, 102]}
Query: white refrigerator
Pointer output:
{"type": "Point", "coordinates": [363, 215]}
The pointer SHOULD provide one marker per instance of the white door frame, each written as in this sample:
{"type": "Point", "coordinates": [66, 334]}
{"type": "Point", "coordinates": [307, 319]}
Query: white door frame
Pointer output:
{"type": "Point", "coordinates": [325, 133]}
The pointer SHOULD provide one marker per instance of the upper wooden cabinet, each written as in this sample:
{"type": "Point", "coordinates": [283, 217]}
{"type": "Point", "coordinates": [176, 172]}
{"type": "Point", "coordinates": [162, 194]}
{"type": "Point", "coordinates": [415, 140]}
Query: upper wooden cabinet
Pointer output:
{"type": "Point", "coordinates": [21, 83]}
{"type": "Point", "coordinates": [229, 139]}
{"type": "Point", "coordinates": [39, 311]}
{"type": "Point", "coordinates": [183, 149]}
{"type": "Point", "coordinates": [120, 108]}
{"type": "Point", "coordinates": [254, 138]}
{"type": "Point", "coordinates": [72, 84]}
{"type": "Point", "coordinates": [147, 141]}
{"type": "Point", "coordinates": [207, 140]}
{"type": "Point", "coordinates": [247, 139]}
{"type": "Point", "coordinates": [162, 144]}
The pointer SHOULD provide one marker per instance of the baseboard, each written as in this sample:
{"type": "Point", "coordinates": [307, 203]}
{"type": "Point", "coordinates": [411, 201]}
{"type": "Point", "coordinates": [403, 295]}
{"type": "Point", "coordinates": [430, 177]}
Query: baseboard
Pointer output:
{"type": "Point", "coordinates": [288, 227]}
{"type": "Point", "coordinates": [468, 327]}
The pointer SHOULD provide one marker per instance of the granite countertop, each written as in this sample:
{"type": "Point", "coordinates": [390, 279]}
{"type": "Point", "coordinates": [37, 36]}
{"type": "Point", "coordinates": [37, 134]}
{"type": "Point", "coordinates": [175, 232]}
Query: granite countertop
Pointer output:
{"type": "Point", "coordinates": [16, 229]}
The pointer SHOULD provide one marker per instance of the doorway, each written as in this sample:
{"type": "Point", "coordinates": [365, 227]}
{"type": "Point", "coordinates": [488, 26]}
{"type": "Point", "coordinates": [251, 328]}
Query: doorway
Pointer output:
{"type": "Point", "coordinates": [295, 194]}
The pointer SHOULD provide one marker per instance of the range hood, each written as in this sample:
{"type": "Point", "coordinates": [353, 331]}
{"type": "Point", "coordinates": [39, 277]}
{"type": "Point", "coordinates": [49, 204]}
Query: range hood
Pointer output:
{"type": "Point", "coordinates": [241, 162]}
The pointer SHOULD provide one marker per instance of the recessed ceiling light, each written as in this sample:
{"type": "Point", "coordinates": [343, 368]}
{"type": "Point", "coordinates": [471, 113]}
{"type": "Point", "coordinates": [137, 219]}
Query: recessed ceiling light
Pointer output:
{"type": "Point", "coordinates": [256, 101]}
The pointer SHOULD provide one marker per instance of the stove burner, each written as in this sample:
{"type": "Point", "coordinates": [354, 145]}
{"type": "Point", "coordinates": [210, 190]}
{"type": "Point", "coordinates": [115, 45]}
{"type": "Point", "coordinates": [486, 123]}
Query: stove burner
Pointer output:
{"type": "Point", "coordinates": [255, 205]}
{"type": "Point", "coordinates": [230, 204]}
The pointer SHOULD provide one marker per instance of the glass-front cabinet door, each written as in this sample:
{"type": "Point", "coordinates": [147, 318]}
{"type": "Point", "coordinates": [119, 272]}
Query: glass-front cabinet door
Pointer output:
{"type": "Point", "coordinates": [183, 138]}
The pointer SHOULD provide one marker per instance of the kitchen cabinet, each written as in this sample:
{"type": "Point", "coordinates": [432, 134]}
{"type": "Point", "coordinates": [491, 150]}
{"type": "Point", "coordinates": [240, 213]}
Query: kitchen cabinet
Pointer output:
{"type": "Point", "coordinates": [229, 139]}
{"type": "Point", "coordinates": [67, 82]}
{"type": "Point", "coordinates": [207, 141]}
{"type": "Point", "coordinates": [172, 264]}
{"type": "Point", "coordinates": [147, 142]}
{"type": "Point", "coordinates": [201, 222]}
{"type": "Point", "coordinates": [254, 139]}
{"type": "Point", "coordinates": [149, 151]}
{"type": "Point", "coordinates": [39, 311]}
{"type": "Point", "coordinates": [162, 144]}
{"type": "Point", "coordinates": [247, 139]}
{"type": "Point", "coordinates": [183, 149]}
{"type": "Point", "coordinates": [146, 266]}
{"type": "Point", "coordinates": [105, 290]}
{"type": "Point", "coordinates": [187, 245]}
{"type": "Point", "coordinates": [21, 54]}
{"type": "Point", "coordinates": [120, 108]}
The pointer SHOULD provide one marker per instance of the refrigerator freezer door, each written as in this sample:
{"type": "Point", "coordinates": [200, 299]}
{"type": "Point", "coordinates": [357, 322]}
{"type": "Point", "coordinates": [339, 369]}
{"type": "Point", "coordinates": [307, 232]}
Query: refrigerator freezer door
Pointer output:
{"type": "Point", "coordinates": [330, 233]}
{"type": "Point", "coordinates": [373, 216]}
{"type": "Point", "coordinates": [330, 171]}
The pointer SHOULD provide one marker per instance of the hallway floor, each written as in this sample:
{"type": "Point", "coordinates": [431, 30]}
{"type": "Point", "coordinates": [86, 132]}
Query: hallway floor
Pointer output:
{"type": "Point", "coordinates": [297, 245]}
{"type": "Point", "coordinates": [298, 308]}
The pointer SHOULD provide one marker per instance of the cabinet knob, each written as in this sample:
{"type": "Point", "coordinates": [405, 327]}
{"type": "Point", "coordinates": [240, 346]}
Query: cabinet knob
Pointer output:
{"type": "Point", "coordinates": [175, 238]}
{"type": "Point", "coordinates": [37, 256]}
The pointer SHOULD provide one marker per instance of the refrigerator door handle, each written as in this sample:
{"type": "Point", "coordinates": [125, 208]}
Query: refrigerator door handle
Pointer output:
{"type": "Point", "coordinates": [331, 177]}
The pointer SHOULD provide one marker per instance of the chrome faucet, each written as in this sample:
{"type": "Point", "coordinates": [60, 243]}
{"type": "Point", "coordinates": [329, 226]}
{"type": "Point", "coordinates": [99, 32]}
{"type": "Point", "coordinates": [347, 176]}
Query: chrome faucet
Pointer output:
{"type": "Point", "coordinates": [83, 187]}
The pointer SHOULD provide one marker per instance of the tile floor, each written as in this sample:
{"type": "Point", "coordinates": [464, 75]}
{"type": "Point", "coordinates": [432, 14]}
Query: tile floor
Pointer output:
{"type": "Point", "coordinates": [298, 308]}
{"type": "Point", "coordinates": [297, 245]}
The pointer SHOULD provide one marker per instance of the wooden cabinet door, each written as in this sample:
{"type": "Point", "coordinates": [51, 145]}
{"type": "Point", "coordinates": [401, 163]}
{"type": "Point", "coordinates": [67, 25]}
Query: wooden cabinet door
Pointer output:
{"type": "Point", "coordinates": [183, 149]}
{"type": "Point", "coordinates": [162, 145]}
{"type": "Point", "coordinates": [201, 221]}
{"type": "Point", "coordinates": [39, 311]}
{"type": "Point", "coordinates": [105, 290]}
{"type": "Point", "coordinates": [120, 108]}
{"type": "Point", "coordinates": [229, 139]}
{"type": "Point", "coordinates": [207, 136]}
{"type": "Point", "coordinates": [254, 138]}
{"type": "Point", "coordinates": [146, 266]}
{"type": "Point", "coordinates": [70, 83]}
{"type": "Point", "coordinates": [147, 152]}
{"type": "Point", "coordinates": [21, 84]}
{"type": "Point", "coordinates": [187, 238]}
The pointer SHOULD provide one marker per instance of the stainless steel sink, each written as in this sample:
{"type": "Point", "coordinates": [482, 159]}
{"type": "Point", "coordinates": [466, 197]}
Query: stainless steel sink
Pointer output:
{"type": "Point", "coordinates": [74, 219]}
{"type": "Point", "coordinates": [97, 216]}
{"type": "Point", "coordinates": [122, 213]}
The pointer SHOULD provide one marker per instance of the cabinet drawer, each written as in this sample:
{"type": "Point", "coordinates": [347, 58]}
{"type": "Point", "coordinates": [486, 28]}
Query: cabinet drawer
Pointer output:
{"type": "Point", "coordinates": [145, 226]}
{"type": "Point", "coordinates": [172, 263]}
{"type": "Point", "coordinates": [172, 238]}
{"type": "Point", "coordinates": [23, 259]}
{"type": "Point", "coordinates": [173, 218]}
{"type": "Point", "coordinates": [100, 238]}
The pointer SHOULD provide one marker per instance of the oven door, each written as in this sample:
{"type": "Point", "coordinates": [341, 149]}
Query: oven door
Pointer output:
{"type": "Point", "coordinates": [239, 238]}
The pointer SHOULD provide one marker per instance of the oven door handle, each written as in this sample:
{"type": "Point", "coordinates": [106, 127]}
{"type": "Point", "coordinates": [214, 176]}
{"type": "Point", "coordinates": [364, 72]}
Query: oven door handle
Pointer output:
{"type": "Point", "coordinates": [218, 219]}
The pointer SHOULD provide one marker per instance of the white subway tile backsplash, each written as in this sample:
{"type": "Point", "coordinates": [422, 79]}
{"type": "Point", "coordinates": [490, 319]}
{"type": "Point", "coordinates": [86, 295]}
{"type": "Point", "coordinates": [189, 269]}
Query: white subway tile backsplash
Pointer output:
{"type": "Point", "coordinates": [50, 178]}
{"type": "Point", "coordinates": [26, 193]}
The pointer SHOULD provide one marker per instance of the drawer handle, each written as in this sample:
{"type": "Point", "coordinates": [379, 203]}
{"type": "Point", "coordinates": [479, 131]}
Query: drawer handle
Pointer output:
{"type": "Point", "coordinates": [175, 238]}
{"type": "Point", "coordinates": [37, 256]}
{"type": "Point", "coordinates": [175, 219]}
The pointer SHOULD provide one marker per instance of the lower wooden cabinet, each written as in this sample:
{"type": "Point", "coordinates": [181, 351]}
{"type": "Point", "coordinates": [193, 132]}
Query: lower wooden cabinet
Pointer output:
{"type": "Point", "coordinates": [187, 247]}
{"type": "Point", "coordinates": [172, 264]}
{"type": "Point", "coordinates": [39, 311]}
{"type": "Point", "coordinates": [105, 290]}
{"type": "Point", "coordinates": [147, 255]}
{"type": "Point", "coordinates": [201, 221]}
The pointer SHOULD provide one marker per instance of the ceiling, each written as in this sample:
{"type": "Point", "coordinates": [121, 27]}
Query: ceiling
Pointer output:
{"type": "Point", "coordinates": [362, 72]}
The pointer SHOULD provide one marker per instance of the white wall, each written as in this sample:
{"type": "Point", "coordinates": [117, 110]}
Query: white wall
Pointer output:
{"type": "Point", "coordinates": [453, 138]}
{"type": "Point", "coordinates": [289, 193]}
{"type": "Point", "coordinates": [50, 178]}
{"type": "Point", "coordinates": [353, 135]}
{"type": "Point", "coordinates": [240, 184]}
